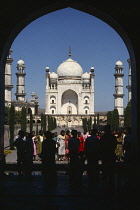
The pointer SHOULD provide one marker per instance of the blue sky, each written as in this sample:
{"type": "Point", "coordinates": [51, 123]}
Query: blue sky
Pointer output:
{"type": "Point", "coordinates": [45, 42]}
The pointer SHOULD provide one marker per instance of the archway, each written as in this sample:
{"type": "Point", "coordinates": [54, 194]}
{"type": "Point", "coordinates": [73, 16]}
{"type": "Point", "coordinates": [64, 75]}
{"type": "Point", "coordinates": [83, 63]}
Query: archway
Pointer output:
{"type": "Point", "coordinates": [69, 102]}
{"type": "Point", "coordinates": [80, 6]}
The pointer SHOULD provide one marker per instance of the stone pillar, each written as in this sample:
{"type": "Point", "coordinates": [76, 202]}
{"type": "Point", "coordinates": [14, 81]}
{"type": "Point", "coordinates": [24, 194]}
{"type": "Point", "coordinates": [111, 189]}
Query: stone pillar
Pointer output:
{"type": "Point", "coordinates": [2, 99]}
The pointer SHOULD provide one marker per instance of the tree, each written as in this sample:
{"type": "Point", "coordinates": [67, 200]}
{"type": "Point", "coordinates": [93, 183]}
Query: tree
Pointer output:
{"type": "Point", "coordinates": [23, 119]}
{"type": "Point", "coordinates": [17, 117]}
{"type": "Point", "coordinates": [12, 125]}
{"type": "Point", "coordinates": [84, 122]}
{"type": "Point", "coordinates": [54, 123]}
{"type": "Point", "coordinates": [42, 120]}
{"type": "Point", "coordinates": [51, 123]}
{"type": "Point", "coordinates": [44, 123]}
{"type": "Point", "coordinates": [89, 122]}
{"type": "Point", "coordinates": [128, 115]}
{"type": "Point", "coordinates": [109, 118]}
{"type": "Point", "coordinates": [6, 115]}
{"type": "Point", "coordinates": [115, 119]}
{"type": "Point", "coordinates": [31, 121]}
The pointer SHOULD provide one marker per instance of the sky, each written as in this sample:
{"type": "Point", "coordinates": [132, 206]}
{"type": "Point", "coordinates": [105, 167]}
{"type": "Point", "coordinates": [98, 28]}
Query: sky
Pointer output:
{"type": "Point", "coordinates": [45, 43]}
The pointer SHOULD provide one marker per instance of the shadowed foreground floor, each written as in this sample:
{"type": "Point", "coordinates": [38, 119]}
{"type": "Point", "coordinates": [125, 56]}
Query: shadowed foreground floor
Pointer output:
{"type": "Point", "coordinates": [16, 192]}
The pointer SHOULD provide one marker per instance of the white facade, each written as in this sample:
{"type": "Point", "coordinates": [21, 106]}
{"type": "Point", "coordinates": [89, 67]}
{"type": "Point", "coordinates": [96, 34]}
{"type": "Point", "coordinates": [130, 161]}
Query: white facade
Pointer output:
{"type": "Point", "coordinates": [118, 95]}
{"type": "Point", "coordinates": [69, 91]}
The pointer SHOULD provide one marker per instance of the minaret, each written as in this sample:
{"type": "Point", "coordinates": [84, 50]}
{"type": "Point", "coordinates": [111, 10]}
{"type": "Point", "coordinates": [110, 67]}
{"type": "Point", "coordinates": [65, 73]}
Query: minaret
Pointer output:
{"type": "Point", "coordinates": [47, 90]}
{"type": "Point", "coordinates": [8, 80]}
{"type": "Point", "coordinates": [129, 86]}
{"type": "Point", "coordinates": [20, 91]}
{"type": "Point", "coordinates": [92, 90]}
{"type": "Point", "coordinates": [118, 95]}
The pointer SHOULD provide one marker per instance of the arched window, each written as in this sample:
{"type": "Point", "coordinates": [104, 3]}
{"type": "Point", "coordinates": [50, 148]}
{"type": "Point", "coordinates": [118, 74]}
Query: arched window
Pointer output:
{"type": "Point", "coordinates": [86, 100]}
{"type": "Point", "coordinates": [86, 110]}
{"type": "Point", "coordinates": [52, 109]}
{"type": "Point", "coordinates": [53, 99]}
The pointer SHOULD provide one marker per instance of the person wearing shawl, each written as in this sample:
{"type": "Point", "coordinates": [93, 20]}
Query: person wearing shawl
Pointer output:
{"type": "Point", "coordinates": [62, 145]}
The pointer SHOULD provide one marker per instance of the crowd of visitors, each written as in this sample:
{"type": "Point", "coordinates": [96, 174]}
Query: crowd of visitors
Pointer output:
{"type": "Point", "coordinates": [75, 147]}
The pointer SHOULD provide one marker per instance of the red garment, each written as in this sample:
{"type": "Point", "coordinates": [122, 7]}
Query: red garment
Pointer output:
{"type": "Point", "coordinates": [81, 146]}
{"type": "Point", "coordinates": [66, 142]}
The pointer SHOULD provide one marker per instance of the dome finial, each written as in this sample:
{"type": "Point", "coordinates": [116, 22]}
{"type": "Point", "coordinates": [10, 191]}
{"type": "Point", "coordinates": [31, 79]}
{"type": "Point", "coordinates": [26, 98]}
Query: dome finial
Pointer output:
{"type": "Point", "coordinates": [70, 52]}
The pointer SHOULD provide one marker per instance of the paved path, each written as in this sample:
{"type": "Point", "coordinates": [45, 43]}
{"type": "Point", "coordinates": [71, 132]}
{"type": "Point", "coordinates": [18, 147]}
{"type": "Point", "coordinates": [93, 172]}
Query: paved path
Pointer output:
{"type": "Point", "coordinates": [12, 158]}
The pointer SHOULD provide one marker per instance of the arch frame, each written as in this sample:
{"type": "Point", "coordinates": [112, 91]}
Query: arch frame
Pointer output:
{"type": "Point", "coordinates": [51, 7]}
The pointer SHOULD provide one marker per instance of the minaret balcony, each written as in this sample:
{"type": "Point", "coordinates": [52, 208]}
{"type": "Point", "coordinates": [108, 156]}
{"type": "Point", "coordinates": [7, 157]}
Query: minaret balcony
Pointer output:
{"type": "Point", "coordinates": [9, 86]}
{"type": "Point", "coordinates": [118, 95]}
{"type": "Point", "coordinates": [20, 94]}
{"type": "Point", "coordinates": [20, 73]}
{"type": "Point", "coordinates": [9, 60]}
{"type": "Point", "coordinates": [119, 74]}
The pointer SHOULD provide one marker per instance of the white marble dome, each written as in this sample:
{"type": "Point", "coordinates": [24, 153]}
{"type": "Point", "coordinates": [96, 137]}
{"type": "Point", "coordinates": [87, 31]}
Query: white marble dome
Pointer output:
{"type": "Point", "coordinates": [70, 68]}
{"type": "Point", "coordinates": [53, 75]}
{"type": "Point", "coordinates": [86, 75]}
{"type": "Point", "coordinates": [119, 63]}
{"type": "Point", "coordinates": [20, 62]}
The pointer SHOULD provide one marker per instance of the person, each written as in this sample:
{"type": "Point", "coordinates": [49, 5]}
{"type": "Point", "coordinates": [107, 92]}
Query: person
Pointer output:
{"type": "Point", "coordinates": [127, 147]}
{"type": "Point", "coordinates": [75, 166]}
{"type": "Point", "coordinates": [48, 157]}
{"type": "Point", "coordinates": [34, 144]}
{"type": "Point", "coordinates": [119, 148]}
{"type": "Point", "coordinates": [67, 136]}
{"type": "Point", "coordinates": [129, 157]}
{"type": "Point", "coordinates": [85, 134]}
{"type": "Point", "coordinates": [108, 143]}
{"type": "Point", "coordinates": [20, 145]}
{"type": "Point", "coordinates": [81, 147]}
{"type": "Point", "coordinates": [39, 138]}
{"type": "Point", "coordinates": [62, 145]}
{"type": "Point", "coordinates": [92, 152]}
{"type": "Point", "coordinates": [28, 156]}
{"type": "Point", "coordinates": [54, 136]}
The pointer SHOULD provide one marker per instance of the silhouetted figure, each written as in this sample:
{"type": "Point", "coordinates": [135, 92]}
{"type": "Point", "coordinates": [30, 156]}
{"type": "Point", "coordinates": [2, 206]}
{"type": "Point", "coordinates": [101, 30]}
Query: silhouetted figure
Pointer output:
{"type": "Point", "coordinates": [28, 156]}
{"type": "Point", "coordinates": [128, 158]}
{"type": "Point", "coordinates": [92, 152]}
{"type": "Point", "coordinates": [20, 145]}
{"type": "Point", "coordinates": [48, 157]}
{"type": "Point", "coordinates": [75, 165]}
{"type": "Point", "coordinates": [108, 145]}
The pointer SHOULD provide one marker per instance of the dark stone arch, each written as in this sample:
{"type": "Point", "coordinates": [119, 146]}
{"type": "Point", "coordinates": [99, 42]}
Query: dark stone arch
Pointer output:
{"type": "Point", "coordinates": [118, 18]}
